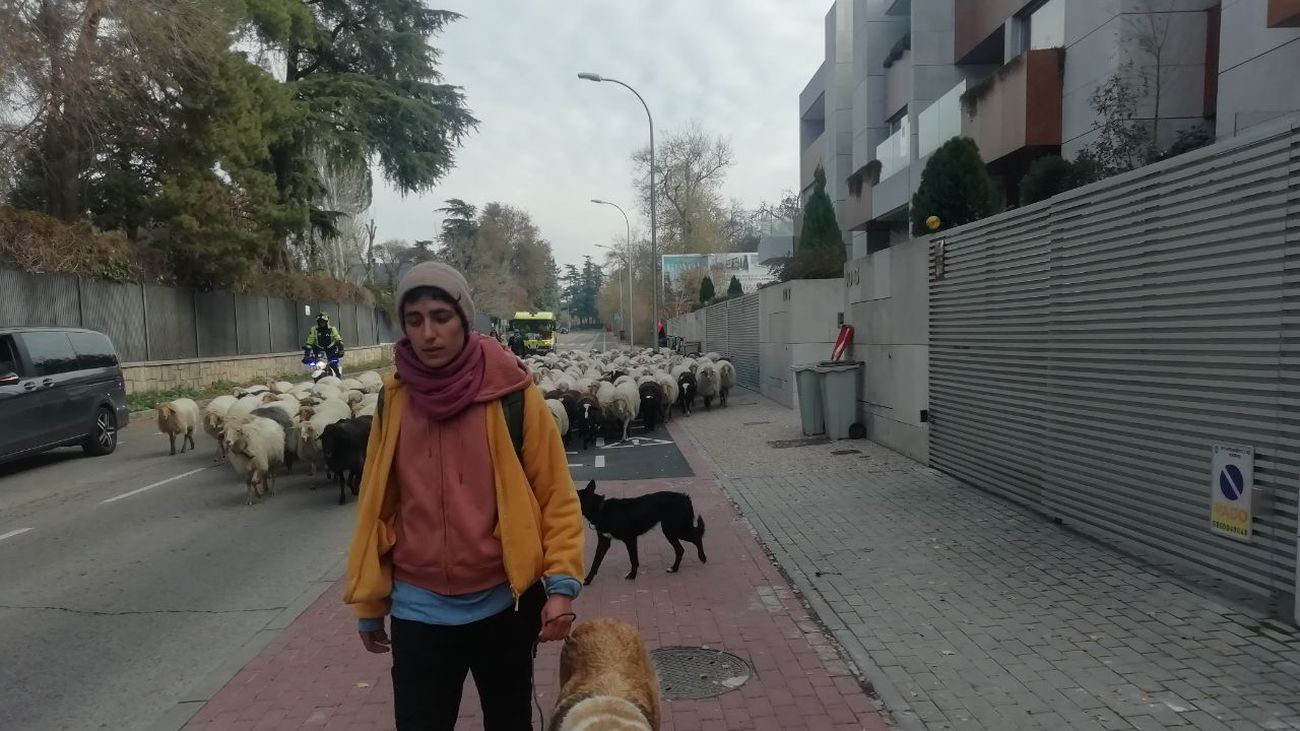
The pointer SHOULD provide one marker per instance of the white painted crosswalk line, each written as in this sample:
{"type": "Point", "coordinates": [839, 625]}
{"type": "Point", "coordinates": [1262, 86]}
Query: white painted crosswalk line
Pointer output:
{"type": "Point", "coordinates": [600, 461]}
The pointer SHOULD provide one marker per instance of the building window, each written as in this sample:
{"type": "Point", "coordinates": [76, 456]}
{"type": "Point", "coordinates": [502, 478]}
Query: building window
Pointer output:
{"type": "Point", "coordinates": [1046, 25]}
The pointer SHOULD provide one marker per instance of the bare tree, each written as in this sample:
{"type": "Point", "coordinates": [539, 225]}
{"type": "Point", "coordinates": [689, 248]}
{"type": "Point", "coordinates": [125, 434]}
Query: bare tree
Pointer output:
{"type": "Point", "coordinates": [691, 167]}
{"type": "Point", "coordinates": [1150, 29]}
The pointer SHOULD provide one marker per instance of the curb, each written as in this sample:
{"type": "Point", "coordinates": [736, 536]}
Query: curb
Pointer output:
{"type": "Point", "coordinates": [197, 695]}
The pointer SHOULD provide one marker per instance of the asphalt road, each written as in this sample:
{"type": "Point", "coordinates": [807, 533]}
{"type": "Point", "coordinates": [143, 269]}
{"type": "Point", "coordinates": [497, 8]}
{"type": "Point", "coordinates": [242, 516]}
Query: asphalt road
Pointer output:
{"type": "Point", "coordinates": [584, 340]}
{"type": "Point", "coordinates": [133, 586]}
{"type": "Point", "coordinates": [117, 607]}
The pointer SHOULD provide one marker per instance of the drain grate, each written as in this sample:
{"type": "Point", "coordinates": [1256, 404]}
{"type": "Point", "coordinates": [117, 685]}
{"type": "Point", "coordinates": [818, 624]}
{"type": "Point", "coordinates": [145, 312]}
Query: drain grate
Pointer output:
{"type": "Point", "coordinates": [842, 452]}
{"type": "Point", "coordinates": [692, 673]}
{"type": "Point", "coordinates": [788, 443]}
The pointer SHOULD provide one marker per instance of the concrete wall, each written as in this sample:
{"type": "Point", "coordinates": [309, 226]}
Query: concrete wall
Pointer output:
{"type": "Point", "coordinates": [1257, 68]}
{"type": "Point", "coordinates": [888, 304]}
{"type": "Point", "coordinates": [249, 369]}
{"type": "Point", "coordinates": [798, 323]}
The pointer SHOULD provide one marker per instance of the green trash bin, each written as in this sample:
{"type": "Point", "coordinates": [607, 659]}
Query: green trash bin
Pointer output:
{"type": "Point", "coordinates": [839, 381]}
{"type": "Point", "coordinates": [808, 383]}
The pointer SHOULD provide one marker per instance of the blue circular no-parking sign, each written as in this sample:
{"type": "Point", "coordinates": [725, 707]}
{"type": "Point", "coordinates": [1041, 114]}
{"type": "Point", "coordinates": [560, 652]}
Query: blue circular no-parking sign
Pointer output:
{"type": "Point", "coordinates": [1231, 482]}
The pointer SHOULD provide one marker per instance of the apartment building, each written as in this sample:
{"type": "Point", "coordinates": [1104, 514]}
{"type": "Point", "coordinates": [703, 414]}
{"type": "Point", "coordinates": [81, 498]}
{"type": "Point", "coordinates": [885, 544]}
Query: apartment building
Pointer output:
{"type": "Point", "coordinates": [900, 77]}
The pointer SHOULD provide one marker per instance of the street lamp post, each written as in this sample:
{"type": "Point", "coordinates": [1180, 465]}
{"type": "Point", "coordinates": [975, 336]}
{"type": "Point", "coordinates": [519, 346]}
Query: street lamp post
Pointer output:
{"type": "Point", "coordinates": [631, 319]}
{"type": "Point", "coordinates": [654, 237]}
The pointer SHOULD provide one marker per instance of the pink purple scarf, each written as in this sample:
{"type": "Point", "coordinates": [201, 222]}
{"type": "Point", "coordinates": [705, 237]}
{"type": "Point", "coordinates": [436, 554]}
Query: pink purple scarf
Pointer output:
{"type": "Point", "coordinates": [442, 393]}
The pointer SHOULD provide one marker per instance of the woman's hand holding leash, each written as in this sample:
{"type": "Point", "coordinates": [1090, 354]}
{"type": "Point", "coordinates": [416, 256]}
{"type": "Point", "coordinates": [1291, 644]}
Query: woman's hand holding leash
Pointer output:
{"type": "Point", "coordinates": [557, 618]}
{"type": "Point", "coordinates": [376, 641]}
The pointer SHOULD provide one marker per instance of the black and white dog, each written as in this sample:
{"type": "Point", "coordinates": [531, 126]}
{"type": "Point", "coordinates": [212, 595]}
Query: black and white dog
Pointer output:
{"type": "Point", "coordinates": [627, 519]}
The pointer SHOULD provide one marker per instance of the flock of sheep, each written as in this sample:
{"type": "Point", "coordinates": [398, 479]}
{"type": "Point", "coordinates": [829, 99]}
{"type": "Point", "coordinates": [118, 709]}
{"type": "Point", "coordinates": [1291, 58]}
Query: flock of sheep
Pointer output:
{"type": "Point", "coordinates": [601, 394]}
{"type": "Point", "coordinates": [260, 429]}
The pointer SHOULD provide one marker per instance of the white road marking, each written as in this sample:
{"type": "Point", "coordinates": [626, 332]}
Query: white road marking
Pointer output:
{"type": "Point", "coordinates": [160, 483]}
{"type": "Point", "coordinates": [600, 461]}
{"type": "Point", "coordinates": [575, 465]}
{"type": "Point", "coordinates": [13, 533]}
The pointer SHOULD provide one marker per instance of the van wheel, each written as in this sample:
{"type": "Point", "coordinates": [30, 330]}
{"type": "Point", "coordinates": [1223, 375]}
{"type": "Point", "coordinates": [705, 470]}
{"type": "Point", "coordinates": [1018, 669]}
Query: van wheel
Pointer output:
{"type": "Point", "coordinates": [102, 439]}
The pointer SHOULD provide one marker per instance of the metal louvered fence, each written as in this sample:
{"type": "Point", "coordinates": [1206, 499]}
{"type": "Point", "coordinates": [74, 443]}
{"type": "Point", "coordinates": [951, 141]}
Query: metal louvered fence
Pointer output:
{"type": "Point", "coordinates": [150, 323]}
{"type": "Point", "coordinates": [1088, 352]}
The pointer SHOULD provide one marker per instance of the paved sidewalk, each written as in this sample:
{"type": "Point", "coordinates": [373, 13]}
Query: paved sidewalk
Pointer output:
{"type": "Point", "coordinates": [316, 675]}
{"type": "Point", "coordinates": [967, 612]}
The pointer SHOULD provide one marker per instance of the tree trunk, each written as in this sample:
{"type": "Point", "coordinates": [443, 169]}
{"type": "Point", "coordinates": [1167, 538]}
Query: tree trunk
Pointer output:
{"type": "Point", "coordinates": [68, 101]}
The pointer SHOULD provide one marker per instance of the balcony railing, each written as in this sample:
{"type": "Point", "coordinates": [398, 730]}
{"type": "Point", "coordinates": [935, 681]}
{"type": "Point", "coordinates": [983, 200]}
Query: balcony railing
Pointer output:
{"type": "Point", "coordinates": [940, 122]}
{"type": "Point", "coordinates": [809, 159]}
{"type": "Point", "coordinates": [895, 153]}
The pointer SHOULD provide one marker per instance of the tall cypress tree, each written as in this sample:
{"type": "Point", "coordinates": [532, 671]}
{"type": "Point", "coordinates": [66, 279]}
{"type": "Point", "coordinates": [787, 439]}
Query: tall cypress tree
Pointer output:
{"type": "Point", "coordinates": [735, 287]}
{"type": "Point", "coordinates": [820, 229]}
{"type": "Point", "coordinates": [707, 292]}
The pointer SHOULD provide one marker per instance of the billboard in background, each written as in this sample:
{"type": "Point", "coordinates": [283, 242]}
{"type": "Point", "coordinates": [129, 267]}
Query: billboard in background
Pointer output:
{"type": "Point", "coordinates": [743, 265]}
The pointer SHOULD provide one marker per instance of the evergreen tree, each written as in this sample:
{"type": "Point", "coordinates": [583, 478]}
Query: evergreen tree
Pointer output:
{"type": "Point", "coordinates": [820, 230]}
{"type": "Point", "coordinates": [955, 186]}
{"type": "Point", "coordinates": [821, 250]}
{"type": "Point", "coordinates": [735, 287]}
{"type": "Point", "coordinates": [707, 292]}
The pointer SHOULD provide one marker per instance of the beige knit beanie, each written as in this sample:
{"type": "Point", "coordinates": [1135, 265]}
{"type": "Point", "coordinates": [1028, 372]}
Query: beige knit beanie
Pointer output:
{"type": "Point", "coordinates": [442, 276]}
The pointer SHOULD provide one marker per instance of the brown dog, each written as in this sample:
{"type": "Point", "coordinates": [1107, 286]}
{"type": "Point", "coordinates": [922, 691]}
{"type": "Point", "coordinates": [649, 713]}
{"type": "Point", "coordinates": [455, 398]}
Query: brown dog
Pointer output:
{"type": "Point", "coordinates": [606, 681]}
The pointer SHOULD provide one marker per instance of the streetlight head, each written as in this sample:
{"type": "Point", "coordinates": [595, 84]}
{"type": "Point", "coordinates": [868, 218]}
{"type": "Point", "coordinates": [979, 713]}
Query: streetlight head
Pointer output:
{"type": "Point", "coordinates": [598, 201]}
{"type": "Point", "coordinates": [588, 76]}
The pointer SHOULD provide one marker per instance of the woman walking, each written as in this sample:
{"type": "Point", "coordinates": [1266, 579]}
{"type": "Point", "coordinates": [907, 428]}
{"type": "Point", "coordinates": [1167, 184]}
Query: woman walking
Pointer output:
{"type": "Point", "coordinates": [469, 532]}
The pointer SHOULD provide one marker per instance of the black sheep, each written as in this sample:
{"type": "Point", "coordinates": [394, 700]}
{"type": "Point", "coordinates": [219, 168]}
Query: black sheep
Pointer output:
{"type": "Point", "coordinates": [588, 421]}
{"type": "Point", "coordinates": [686, 392]}
{"type": "Point", "coordinates": [344, 445]}
{"type": "Point", "coordinates": [652, 399]}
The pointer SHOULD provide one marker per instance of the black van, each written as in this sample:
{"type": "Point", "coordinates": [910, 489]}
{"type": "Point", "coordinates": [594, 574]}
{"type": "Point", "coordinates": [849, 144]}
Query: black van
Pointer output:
{"type": "Point", "coordinates": [59, 387]}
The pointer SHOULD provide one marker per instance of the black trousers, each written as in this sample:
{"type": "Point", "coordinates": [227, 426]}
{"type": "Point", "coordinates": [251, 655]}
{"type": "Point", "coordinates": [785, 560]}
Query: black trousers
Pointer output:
{"type": "Point", "coordinates": [430, 663]}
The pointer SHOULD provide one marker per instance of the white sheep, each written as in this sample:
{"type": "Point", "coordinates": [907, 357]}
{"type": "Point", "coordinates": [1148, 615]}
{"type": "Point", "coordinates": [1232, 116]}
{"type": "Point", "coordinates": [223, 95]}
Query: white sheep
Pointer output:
{"type": "Point", "coordinates": [282, 387]}
{"type": "Point", "coordinates": [560, 415]}
{"type": "Point", "coordinates": [366, 406]}
{"type": "Point", "coordinates": [256, 450]}
{"type": "Point", "coordinates": [351, 384]}
{"type": "Point", "coordinates": [328, 391]}
{"type": "Point", "coordinates": [253, 390]}
{"type": "Point", "coordinates": [707, 382]}
{"type": "Point", "coordinates": [671, 391]}
{"type": "Point", "coordinates": [179, 418]}
{"type": "Point", "coordinates": [329, 381]}
{"type": "Point", "coordinates": [214, 421]}
{"type": "Point", "coordinates": [726, 380]}
{"type": "Point", "coordinates": [620, 403]}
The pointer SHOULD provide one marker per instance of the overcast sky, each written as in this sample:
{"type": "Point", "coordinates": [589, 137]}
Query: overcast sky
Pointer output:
{"type": "Point", "coordinates": [548, 142]}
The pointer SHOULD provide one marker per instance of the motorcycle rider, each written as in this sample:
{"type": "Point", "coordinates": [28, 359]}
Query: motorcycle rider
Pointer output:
{"type": "Point", "coordinates": [324, 339]}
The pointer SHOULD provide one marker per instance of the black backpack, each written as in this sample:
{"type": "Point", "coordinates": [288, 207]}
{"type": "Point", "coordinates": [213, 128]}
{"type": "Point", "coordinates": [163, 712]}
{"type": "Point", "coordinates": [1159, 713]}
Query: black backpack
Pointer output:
{"type": "Point", "coordinates": [512, 403]}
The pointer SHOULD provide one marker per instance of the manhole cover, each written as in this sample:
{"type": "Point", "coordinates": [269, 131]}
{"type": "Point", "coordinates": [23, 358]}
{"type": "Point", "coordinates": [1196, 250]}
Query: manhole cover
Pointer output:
{"type": "Point", "coordinates": [691, 673]}
{"type": "Point", "coordinates": [788, 443]}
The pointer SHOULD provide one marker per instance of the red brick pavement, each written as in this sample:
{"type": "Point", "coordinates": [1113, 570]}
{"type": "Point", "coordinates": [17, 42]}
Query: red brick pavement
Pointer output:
{"type": "Point", "coordinates": [315, 675]}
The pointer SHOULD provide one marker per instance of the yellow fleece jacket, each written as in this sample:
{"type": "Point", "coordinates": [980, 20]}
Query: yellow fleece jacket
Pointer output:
{"type": "Point", "coordinates": [539, 518]}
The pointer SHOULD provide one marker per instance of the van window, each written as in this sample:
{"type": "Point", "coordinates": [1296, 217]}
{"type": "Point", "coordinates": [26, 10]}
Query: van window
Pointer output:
{"type": "Point", "coordinates": [51, 352]}
{"type": "Point", "coordinates": [94, 350]}
{"type": "Point", "coordinates": [8, 361]}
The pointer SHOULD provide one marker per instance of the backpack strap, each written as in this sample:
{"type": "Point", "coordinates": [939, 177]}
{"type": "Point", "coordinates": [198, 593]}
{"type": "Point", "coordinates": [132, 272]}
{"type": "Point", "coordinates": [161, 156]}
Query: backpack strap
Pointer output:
{"type": "Point", "coordinates": [513, 404]}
